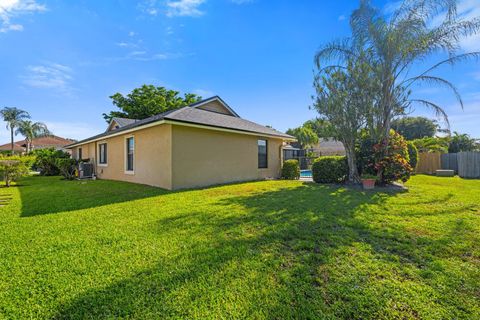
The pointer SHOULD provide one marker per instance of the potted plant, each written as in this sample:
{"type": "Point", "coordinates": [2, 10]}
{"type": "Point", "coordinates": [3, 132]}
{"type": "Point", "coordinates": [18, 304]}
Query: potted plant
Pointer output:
{"type": "Point", "coordinates": [368, 181]}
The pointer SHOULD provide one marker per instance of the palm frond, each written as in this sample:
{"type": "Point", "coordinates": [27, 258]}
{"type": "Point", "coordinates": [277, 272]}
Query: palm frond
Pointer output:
{"type": "Point", "coordinates": [453, 60]}
{"type": "Point", "coordinates": [436, 81]}
{"type": "Point", "coordinates": [439, 112]}
{"type": "Point", "coordinates": [331, 67]}
{"type": "Point", "coordinates": [339, 49]}
{"type": "Point", "coordinates": [361, 20]}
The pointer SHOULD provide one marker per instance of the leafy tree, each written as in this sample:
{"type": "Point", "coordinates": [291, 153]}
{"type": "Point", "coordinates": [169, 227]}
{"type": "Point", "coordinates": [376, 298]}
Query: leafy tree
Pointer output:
{"type": "Point", "coordinates": [433, 144]}
{"type": "Point", "coordinates": [345, 99]}
{"type": "Point", "coordinates": [396, 43]}
{"type": "Point", "coordinates": [305, 136]}
{"type": "Point", "coordinates": [147, 101]}
{"type": "Point", "coordinates": [462, 143]}
{"type": "Point", "coordinates": [31, 130]}
{"type": "Point", "coordinates": [415, 127]}
{"type": "Point", "coordinates": [13, 116]}
{"type": "Point", "coordinates": [46, 161]}
{"type": "Point", "coordinates": [321, 127]}
{"type": "Point", "coordinates": [14, 167]}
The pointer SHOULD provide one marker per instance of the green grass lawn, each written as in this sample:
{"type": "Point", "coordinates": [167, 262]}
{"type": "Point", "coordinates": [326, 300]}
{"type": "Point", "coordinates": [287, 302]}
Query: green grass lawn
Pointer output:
{"type": "Point", "coordinates": [274, 249]}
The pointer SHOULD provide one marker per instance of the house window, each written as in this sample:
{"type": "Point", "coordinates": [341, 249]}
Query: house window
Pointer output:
{"type": "Point", "coordinates": [79, 153]}
{"type": "Point", "coordinates": [130, 152]}
{"type": "Point", "coordinates": [102, 153]}
{"type": "Point", "coordinates": [262, 154]}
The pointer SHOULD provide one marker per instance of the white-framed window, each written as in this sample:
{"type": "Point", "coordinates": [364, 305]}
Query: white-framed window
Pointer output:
{"type": "Point", "coordinates": [102, 154]}
{"type": "Point", "coordinates": [129, 154]}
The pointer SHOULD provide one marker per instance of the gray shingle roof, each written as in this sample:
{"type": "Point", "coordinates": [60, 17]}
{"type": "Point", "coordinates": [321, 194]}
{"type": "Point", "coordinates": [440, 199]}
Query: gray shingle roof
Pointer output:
{"type": "Point", "coordinates": [122, 122]}
{"type": "Point", "coordinates": [202, 117]}
{"type": "Point", "coordinates": [199, 117]}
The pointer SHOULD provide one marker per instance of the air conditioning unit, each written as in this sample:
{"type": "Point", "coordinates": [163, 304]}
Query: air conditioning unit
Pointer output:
{"type": "Point", "coordinates": [85, 170]}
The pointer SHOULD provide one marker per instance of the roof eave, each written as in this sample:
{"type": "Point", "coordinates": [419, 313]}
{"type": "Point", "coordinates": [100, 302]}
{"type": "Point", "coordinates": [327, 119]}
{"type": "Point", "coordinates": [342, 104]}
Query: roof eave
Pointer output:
{"type": "Point", "coordinates": [178, 122]}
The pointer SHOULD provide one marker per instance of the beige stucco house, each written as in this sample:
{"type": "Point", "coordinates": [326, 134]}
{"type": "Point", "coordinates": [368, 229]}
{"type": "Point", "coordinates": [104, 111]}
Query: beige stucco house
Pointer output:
{"type": "Point", "coordinates": [203, 144]}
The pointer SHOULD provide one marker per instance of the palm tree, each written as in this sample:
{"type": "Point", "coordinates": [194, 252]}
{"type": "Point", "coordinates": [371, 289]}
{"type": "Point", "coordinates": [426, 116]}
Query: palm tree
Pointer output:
{"type": "Point", "coordinates": [31, 130]}
{"type": "Point", "coordinates": [13, 116]}
{"type": "Point", "coordinates": [416, 30]}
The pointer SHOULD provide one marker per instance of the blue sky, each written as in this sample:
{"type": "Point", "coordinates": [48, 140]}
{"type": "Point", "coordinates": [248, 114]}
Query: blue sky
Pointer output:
{"type": "Point", "coordinates": [60, 60]}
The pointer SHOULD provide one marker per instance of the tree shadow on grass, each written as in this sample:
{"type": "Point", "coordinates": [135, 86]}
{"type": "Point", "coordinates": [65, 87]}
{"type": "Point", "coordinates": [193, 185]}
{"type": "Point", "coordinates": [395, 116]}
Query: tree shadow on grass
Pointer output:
{"type": "Point", "coordinates": [46, 195]}
{"type": "Point", "coordinates": [253, 256]}
{"type": "Point", "coordinates": [302, 252]}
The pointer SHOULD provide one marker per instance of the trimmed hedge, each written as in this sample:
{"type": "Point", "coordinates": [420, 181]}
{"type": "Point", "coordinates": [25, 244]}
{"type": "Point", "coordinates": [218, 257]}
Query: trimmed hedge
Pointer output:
{"type": "Point", "coordinates": [413, 154]}
{"type": "Point", "coordinates": [291, 170]}
{"type": "Point", "coordinates": [331, 169]}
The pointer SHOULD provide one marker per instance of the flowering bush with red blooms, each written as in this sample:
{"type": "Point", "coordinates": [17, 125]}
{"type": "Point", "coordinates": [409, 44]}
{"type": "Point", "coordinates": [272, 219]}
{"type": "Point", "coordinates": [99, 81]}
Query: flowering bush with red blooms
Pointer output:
{"type": "Point", "coordinates": [393, 162]}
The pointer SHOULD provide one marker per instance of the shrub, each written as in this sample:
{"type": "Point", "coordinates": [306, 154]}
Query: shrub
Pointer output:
{"type": "Point", "coordinates": [330, 169]}
{"type": "Point", "coordinates": [46, 161]}
{"type": "Point", "coordinates": [291, 170]}
{"type": "Point", "coordinates": [412, 154]}
{"type": "Point", "coordinates": [13, 168]}
{"type": "Point", "coordinates": [394, 163]}
{"type": "Point", "coordinates": [67, 167]}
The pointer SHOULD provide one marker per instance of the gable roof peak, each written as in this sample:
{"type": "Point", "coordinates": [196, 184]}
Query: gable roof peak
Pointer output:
{"type": "Point", "coordinates": [219, 100]}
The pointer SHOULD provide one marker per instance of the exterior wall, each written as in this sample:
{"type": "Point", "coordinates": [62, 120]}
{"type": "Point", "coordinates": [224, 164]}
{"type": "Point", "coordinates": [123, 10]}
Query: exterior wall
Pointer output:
{"type": "Point", "coordinates": [215, 106]}
{"type": "Point", "coordinates": [152, 157]}
{"type": "Point", "coordinates": [204, 157]}
{"type": "Point", "coordinates": [178, 157]}
{"type": "Point", "coordinates": [88, 151]}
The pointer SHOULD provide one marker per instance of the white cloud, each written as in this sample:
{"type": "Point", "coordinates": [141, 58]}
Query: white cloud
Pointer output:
{"type": "Point", "coordinates": [153, 57]}
{"type": "Point", "coordinates": [49, 76]}
{"type": "Point", "coordinates": [10, 9]}
{"type": "Point", "coordinates": [184, 8]}
{"type": "Point", "coordinates": [341, 18]}
{"type": "Point", "coordinates": [137, 53]}
{"type": "Point", "coordinates": [123, 44]}
{"type": "Point", "coordinates": [172, 8]}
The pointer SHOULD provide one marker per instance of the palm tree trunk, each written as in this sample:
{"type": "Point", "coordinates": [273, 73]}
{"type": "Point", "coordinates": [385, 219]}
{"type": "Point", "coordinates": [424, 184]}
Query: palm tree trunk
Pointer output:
{"type": "Point", "coordinates": [353, 176]}
{"type": "Point", "coordinates": [11, 138]}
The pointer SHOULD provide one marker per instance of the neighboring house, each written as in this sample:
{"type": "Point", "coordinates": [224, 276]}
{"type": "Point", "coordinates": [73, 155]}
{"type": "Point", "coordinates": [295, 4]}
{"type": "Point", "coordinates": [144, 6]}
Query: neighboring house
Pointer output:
{"type": "Point", "coordinates": [324, 147]}
{"type": "Point", "coordinates": [202, 144]}
{"type": "Point", "coordinates": [46, 142]}
{"type": "Point", "coordinates": [329, 147]}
